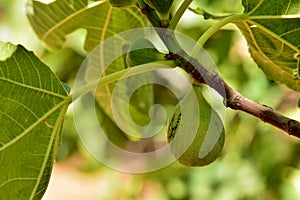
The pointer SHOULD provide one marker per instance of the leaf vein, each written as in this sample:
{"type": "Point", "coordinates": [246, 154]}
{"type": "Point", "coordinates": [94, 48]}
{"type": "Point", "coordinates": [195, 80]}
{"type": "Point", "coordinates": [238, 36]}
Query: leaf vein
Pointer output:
{"type": "Point", "coordinates": [291, 31]}
{"type": "Point", "coordinates": [258, 25]}
{"type": "Point", "coordinates": [17, 179]}
{"type": "Point", "coordinates": [69, 17]}
{"type": "Point", "coordinates": [53, 135]}
{"type": "Point", "coordinates": [27, 130]}
{"type": "Point", "coordinates": [19, 68]}
{"type": "Point", "coordinates": [36, 69]}
{"type": "Point", "coordinates": [22, 105]}
{"type": "Point", "coordinates": [12, 119]}
{"type": "Point", "coordinates": [32, 88]}
{"type": "Point", "coordinates": [288, 7]}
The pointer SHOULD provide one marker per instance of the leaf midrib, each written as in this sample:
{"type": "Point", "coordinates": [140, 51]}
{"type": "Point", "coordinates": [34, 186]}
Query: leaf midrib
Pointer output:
{"type": "Point", "coordinates": [55, 130]}
{"type": "Point", "coordinates": [32, 88]}
{"type": "Point", "coordinates": [102, 38]}
{"type": "Point", "coordinates": [41, 119]}
{"type": "Point", "coordinates": [274, 35]}
{"type": "Point", "coordinates": [259, 50]}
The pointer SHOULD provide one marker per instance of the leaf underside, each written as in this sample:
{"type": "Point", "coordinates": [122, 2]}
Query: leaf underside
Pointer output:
{"type": "Point", "coordinates": [53, 22]}
{"type": "Point", "coordinates": [272, 30]}
{"type": "Point", "coordinates": [32, 108]}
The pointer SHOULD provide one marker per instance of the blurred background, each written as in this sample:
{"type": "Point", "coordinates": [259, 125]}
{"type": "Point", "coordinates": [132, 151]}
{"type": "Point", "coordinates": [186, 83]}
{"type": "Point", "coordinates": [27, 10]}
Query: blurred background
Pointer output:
{"type": "Point", "coordinates": [258, 161]}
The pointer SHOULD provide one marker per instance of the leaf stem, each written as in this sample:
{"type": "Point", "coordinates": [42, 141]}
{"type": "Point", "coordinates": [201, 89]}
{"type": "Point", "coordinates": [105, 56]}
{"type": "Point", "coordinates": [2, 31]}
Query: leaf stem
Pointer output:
{"type": "Point", "coordinates": [125, 73]}
{"type": "Point", "coordinates": [174, 21]}
{"type": "Point", "coordinates": [217, 26]}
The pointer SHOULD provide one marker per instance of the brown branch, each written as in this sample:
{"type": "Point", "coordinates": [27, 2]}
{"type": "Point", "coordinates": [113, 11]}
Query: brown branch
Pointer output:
{"type": "Point", "coordinates": [233, 99]}
{"type": "Point", "coordinates": [236, 101]}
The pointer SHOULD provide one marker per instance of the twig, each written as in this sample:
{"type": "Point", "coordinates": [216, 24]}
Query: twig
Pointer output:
{"type": "Point", "coordinates": [236, 101]}
{"type": "Point", "coordinates": [233, 99]}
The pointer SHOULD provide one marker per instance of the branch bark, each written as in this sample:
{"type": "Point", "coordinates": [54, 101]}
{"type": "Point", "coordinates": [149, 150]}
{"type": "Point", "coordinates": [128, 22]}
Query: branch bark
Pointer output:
{"type": "Point", "coordinates": [236, 101]}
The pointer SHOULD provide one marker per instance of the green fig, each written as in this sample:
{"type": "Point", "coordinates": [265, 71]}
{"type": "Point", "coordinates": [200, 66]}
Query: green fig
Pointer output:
{"type": "Point", "coordinates": [195, 139]}
{"type": "Point", "coordinates": [162, 7]}
{"type": "Point", "coordinates": [122, 3]}
{"type": "Point", "coordinates": [142, 51]}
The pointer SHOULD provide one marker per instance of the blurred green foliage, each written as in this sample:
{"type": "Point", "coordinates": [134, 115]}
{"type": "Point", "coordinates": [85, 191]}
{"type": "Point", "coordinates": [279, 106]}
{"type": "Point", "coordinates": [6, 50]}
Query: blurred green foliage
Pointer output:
{"type": "Point", "coordinates": [258, 161]}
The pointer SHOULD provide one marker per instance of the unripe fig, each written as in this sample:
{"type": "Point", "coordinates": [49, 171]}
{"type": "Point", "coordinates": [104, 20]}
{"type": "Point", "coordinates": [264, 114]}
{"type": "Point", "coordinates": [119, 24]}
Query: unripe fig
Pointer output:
{"type": "Point", "coordinates": [122, 3]}
{"type": "Point", "coordinates": [195, 139]}
{"type": "Point", "coordinates": [162, 7]}
{"type": "Point", "coordinates": [142, 51]}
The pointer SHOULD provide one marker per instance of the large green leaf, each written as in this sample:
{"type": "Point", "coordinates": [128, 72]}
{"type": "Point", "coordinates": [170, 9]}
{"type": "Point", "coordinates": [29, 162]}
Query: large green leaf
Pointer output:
{"type": "Point", "coordinates": [272, 30]}
{"type": "Point", "coordinates": [53, 22]}
{"type": "Point", "coordinates": [33, 103]}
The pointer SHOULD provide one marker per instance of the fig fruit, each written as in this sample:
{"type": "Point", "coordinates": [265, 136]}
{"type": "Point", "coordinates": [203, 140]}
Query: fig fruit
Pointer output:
{"type": "Point", "coordinates": [122, 3]}
{"type": "Point", "coordinates": [142, 51]}
{"type": "Point", "coordinates": [162, 7]}
{"type": "Point", "coordinates": [195, 139]}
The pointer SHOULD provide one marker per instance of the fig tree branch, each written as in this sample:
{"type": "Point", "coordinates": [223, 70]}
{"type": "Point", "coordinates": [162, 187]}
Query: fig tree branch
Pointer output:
{"type": "Point", "coordinates": [233, 99]}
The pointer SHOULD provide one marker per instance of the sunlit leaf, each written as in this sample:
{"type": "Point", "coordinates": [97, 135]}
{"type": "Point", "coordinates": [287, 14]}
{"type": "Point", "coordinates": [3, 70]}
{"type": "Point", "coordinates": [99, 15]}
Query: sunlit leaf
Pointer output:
{"type": "Point", "coordinates": [216, 6]}
{"type": "Point", "coordinates": [272, 30]}
{"type": "Point", "coordinates": [53, 22]}
{"type": "Point", "coordinates": [33, 103]}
